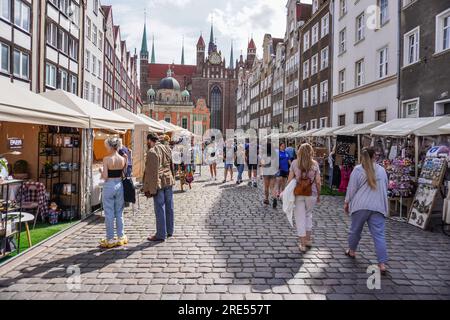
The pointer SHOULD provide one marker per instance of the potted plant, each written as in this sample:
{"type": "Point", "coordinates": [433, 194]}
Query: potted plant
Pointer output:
{"type": "Point", "coordinates": [20, 170]}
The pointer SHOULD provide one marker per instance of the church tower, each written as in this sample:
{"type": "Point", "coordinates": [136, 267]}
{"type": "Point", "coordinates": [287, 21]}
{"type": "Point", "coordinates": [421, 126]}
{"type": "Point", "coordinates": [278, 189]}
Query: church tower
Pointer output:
{"type": "Point", "coordinates": [251, 53]}
{"type": "Point", "coordinates": [200, 54]}
{"type": "Point", "coordinates": [211, 47]}
{"type": "Point", "coordinates": [144, 55]}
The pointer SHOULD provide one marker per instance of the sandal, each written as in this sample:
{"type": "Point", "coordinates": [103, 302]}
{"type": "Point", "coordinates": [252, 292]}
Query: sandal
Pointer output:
{"type": "Point", "coordinates": [347, 253]}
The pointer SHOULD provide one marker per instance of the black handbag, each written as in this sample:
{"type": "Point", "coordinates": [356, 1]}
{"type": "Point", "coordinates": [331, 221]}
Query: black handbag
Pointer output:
{"type": "Point", "coordinates": [129, 192]}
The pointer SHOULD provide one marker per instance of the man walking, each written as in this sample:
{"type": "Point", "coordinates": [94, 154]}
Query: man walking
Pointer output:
{"type": "Point", "coordinates": [158, 184]}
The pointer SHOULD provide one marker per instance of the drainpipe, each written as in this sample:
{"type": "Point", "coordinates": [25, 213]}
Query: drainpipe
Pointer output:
{"type": "Point", "coordinates": [399, 55]}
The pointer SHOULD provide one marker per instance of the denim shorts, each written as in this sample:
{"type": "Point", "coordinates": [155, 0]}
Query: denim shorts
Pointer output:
{"type": "Point", "coordinates": [229, 166]}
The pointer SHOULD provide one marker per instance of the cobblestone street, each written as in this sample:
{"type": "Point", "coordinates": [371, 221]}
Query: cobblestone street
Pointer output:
{"type": "Point", "coordinates": [229, 246]}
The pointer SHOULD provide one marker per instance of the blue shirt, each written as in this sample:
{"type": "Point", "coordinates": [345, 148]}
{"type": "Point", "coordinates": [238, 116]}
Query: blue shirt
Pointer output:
{"type": "Point", "coordinates": [284, 160]}
{"type": "Point", "coordinates": [291, 152]}
{"type": "Point", "coordinates": [361, 196]}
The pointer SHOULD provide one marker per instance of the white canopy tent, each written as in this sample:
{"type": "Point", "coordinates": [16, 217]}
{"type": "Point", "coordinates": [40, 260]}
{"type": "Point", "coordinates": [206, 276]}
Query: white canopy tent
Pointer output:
{"type": "Point", "coordinates": [155, 125]}
{"type": "Point", "coordinates": [445, 129]}
{"type": "Point", "coordinates": [306, 134]}
{"type": "Point", "coordinates": [418, 127]}
{"type": "Point", "coordinates": [24, 106]}
{"type": "Point", "coordinates": [357, 129]}
{"type": "Point", "coordinates": [100, 118]}
{"type": "Point", "coordinates": [326, 132]}
{"type": "Point", "coordinates": [140, 121]}
{"type": "Point", "coordinates": [412, 126]}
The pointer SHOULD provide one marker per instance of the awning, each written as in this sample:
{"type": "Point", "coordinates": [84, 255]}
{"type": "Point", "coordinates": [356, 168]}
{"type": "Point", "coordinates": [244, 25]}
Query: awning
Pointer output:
{"type": "Point", "coordinates": [356, 129]}
{"type": "Point", "coordinates": [306, 134]}
{"type": "Point", "coordinates": [153, 122]}
{"type": "Point", "coordinates": [100, 118]}
{"type": "Point", "coordinates": [174, 128]}
{"type": "Point", "coordinates": [138, 120]}
{"type": "Point", "coordinates": [326, 132]}
{"type": "Point", "coordinates": [445, 129]}
{"type": "Point", "coordinates": [21, 105]}
{"type": "Point", "coordinates": [412, 126]}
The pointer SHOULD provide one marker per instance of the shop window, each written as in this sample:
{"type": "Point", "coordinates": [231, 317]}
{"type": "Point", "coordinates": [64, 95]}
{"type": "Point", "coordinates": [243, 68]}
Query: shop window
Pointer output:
{"type": "Point", "coordinates": [341, 120]}
{"type": "Point", "coordinates": [359, 117]}
{"type": "Point", "coordinates": [381, 115]}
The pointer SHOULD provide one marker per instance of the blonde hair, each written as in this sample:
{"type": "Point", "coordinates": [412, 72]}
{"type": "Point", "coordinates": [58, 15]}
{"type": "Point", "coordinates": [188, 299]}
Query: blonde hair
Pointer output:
{"type": "Point", "coordinates": [305, 157]}
{"type": "Point", "coordinates": [367, 164]}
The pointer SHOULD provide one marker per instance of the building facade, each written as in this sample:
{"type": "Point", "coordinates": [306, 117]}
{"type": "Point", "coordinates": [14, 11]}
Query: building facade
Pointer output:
{"type": "Point", "coordinates": [210, 79]}
{"type": "Point", "coordinates": [365, 62]}
{"type": "Point", "coordinates": [93, 52]}
{"type": "Point", "coordinates": [425, 58]}
{"type": "Point", "coordinates": [315, 69]}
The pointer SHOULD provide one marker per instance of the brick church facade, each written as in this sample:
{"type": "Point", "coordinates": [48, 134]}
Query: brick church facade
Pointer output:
{"type": "Point", "coordinates": [211, 79]}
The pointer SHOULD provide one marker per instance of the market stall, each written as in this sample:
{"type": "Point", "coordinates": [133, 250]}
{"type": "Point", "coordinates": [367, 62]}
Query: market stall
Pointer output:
{"type": "Point", "coordinates": [403, 148]}
{"type": "Point", "coordinates": [25, 160]}
{"type": "Point", "coordinates": [102, 124]}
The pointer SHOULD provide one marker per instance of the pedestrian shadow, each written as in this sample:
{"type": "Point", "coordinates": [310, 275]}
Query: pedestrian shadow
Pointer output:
{"type": "Point", "coordinates": [86, 262]}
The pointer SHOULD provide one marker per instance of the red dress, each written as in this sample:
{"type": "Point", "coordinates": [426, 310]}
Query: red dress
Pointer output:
{"type": "Point", "coordinates": [345, 178]}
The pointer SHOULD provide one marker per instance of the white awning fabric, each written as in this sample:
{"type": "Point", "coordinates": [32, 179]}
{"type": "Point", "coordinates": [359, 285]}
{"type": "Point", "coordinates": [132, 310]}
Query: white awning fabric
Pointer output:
{"type": "Point", "coordinates": [306, 134]}
{"type": "Point", "coordinates": [356, 129]}
{"type": "Point", "coordinates": [100, 118]}
{"type": "Point", "coordinates": [155, 124]}
{"type": "Point", "coordinates": [172, 127]}
{"type": "Point", "coordinates": [412, 126]}
{"type": "Point", "coordinates": [326, 132]}
{"type": "Point", "coordinates": [445, 129]}
{"type": "Point", "coordinates": [140, 121]}
{"type": "Point", "coordinates": [21, 105]}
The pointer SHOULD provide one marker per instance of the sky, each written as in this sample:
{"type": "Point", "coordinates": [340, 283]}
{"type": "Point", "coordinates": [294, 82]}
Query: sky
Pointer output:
{"type": "Point", "coordinates": [171, 20]}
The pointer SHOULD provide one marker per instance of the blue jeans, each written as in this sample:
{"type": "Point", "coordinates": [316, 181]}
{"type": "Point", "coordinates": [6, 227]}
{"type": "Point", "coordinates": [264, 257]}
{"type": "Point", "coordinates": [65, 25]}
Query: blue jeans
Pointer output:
{"type": "Point", "coordinates": [113, 205]}
{"type": "Point", "coordinates": [241, 169]}
{"type": "Point", "coordinates": [163, 202]}
{"type": "Point", "coordinates": [376, 222]}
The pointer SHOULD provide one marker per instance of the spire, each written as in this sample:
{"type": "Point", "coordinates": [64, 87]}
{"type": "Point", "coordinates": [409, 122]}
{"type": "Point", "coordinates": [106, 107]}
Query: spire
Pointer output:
{"type": "Point", "coordinates": [231, 56]}
{"type": "Point", "coordinates": [211, 37]}
{"type": "Point", "coordinates": [182, 54]}
{"type": "Point", "coordinates": [153, 50]}
{"type": "Point", "coordinates": [201, 43]}
{"type": "Point", "coordinates": [144, 47]}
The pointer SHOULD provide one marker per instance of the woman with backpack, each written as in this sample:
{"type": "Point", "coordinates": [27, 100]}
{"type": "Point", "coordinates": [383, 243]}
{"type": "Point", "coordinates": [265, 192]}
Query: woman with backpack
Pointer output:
{"type": "Point", "coordinates": [306, 171]}
{"type": "Point", "coordinates": [367, 202]}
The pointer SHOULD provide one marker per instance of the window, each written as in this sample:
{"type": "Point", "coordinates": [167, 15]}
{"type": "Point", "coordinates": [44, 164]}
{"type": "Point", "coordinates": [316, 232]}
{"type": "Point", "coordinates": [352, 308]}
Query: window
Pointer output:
{"type": "Point", "coordinates": [342, 40]}
{"type": "Point", "coordinates": [99, 96]}
{"type": "Point", "coordinates": [167, 119]}
{"type": "Point", "coordinates": [63, 80]}
{"type": "Point", "coordinates": [325, 25]}
{"type": "Point", "coordinates": [100, 41]}
{"type": "Point", "coordinates": [383, 63]}
{"type": "Point", "coordinates": [64, 6]}
{"type": "Point", "coordinates": [216, 108]}
{"type": "Point", "coordinates": [88, 28]}
{"type": "Point", "coordinates": [73, 48]}
{"type": "Point", "coordinates": [63, 41]}
{"type": "Point", "coordinates": [50, 75]}
{"type": "Point", "coordinates": [94, 34]}
{"type": "Point", "coordinates": [341, 88]}
{"type": "Point", "coordinates": [100, 70]}
{"type": "Point", "coordinates": [359, 73]}
{"type": "Point", "coordinates": [4, 58]}
{"type": "Point", "coordinates": [407, 3]}
{"type": "Point", "coordinates": [341, 120]}
{"type": "Point", "coordinates": [93, 93]}
{"type": "Point", "coordinates": [410, 109]}
{"type": "Point", "coordinates": [94, 65]}
{"type": "Point", "coordinates": [314, 62]}
{"type": "Point", "coordinates": [313, 124]}
{"type": "Point", "coordinates": [342, 8]}
{"type": "Point", "coordinates": [73, 84]}
{"type": "Point", "coordinates": [184, 123]}
{"type": "Point", "coordinates": [305, 69]}
{"type": "Point", "coordinates": [95, 8]}
{"type": "Point", "coordinates": [315, 6]}
{"type": "Point", "coordinates": [75, 13]}
{"type": "Point", "coordinates": [5, 9]}
{"type": "Point", "coordinates": [381, 115]}
{"type": "Point", "coordinates": [360, 27]}
{"type": "Point", "coordinates": [21, 64]}
{"type": "Point", "coordinates": [443, 31]}
{"type": "Point", "coordinates": [411, 46]}
{"type": "Point", "coordinates": [314, 95]}
{"type": "Point", "coordinates": [305, 98]}
{"type": "Point", "coordinates": [315, 34]}
{"type": "Point", "coordinates": [88, 60]}
{"type": "Point", "coordinates": [52, 34]}
{"type": "Point", "coordinates": [324, 58]}
{"type": "Point", "coordinates": [87, 86]}
{"type": "Point", "coordinates": [306, 41]}
{"type": "Point", "coordinates": [323, 122]}
{"type": "Point", "coordinates": [324, 91]}
{"type": "Point", "coordinates": [384, 12]}
{"type": "Point", "coordinates": [22, 15]}
{"type": "Point", "coordinates": [359, 117]}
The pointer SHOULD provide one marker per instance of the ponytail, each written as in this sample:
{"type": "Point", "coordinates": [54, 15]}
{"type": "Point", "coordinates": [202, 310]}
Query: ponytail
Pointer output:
{"type": "Point", "coordinates": [367, 164]}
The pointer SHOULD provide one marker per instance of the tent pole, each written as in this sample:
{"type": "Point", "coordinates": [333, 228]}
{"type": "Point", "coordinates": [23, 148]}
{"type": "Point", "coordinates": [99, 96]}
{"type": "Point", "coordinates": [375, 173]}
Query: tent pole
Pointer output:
{"type": "Point", "coordinates": [417, 156]}
{"type": "Point", "coordinates": [359, 148]}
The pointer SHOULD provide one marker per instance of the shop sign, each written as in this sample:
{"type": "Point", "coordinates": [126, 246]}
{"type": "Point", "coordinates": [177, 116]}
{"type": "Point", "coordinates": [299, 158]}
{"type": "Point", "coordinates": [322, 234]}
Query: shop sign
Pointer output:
{"type": "Point", "coordinates": [15, 143]}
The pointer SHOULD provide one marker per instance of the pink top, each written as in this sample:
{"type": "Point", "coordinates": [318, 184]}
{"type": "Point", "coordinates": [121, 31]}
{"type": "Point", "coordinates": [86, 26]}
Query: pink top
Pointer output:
{"type": "Point", "coordinates": [313, 174]}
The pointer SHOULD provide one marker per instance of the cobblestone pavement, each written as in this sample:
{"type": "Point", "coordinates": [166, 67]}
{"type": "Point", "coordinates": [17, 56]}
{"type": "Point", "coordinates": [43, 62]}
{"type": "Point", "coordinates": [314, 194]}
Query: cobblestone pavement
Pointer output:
{"type": "Point", "coordinates": [229, 246]}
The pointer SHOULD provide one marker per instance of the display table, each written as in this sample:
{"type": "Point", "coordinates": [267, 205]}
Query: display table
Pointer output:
{"type": "Point", "coordinates": [25, 218]}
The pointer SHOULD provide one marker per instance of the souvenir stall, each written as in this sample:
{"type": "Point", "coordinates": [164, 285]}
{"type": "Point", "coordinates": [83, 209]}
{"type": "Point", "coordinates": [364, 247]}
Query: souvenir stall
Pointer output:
{"type": "Point", "coordinates": [402, 146]}
{"type": "Point", "coordinates": [445, 130]}
{"type": "Point", "coordinates": [32, 172]}
{"type": "Point", "coordinates": [102, 123]}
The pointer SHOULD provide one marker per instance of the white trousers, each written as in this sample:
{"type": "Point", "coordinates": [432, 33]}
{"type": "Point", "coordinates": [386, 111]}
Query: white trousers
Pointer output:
{"type": "Point", "coordinates": [303, 214]}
